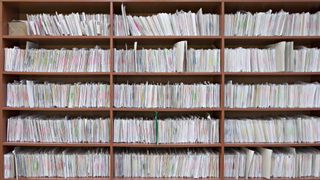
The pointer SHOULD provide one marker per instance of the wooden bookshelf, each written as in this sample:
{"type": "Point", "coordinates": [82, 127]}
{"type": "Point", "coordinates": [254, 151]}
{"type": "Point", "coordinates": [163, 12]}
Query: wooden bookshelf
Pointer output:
{"type": "Point", "coordinates": [17, 9]}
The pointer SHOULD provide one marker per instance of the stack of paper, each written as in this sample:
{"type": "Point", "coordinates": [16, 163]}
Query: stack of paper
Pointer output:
{"type": "Point", "coordinates": [276, 58]}
{"type": "Point", "coordinates": [49, 95]}
{"type": "Point", "coordinates": [176, 59]}
{"type": "Point", "coordinates": [145, 95]}
{"type": "Point", "coordinates": [60, 163]}
{"type": "Point", "coordinates": [286, 161]}
{"type": "Point", "coordinates": [234, 163]}
{"type": "Point", "coordinates": [250, 60]}
{"type": "Point", "coordinates": [166, 24]}
{"type": "Point", "coordinates": [203, 60]}
{"type": "Point", "coordinates": [134, 130]}
{"type": "Point", "coordinates": [302, 95]}
{"type": "Point", "coordinates": [73, 24]}
{"type": "Point", "coordinates": [57, 130]}
{"type": "Point", "coordinates": [9, 169]}
{"type": "Point", "coordinates": [193, 129]}
{"type": "Point", "coordinates": [308, 161]}
{"type": "Point", "coordinates": [276, 163]}
{"type": "Point", "coordinates": [57, 60]}
{"type": "Point", "coordinates": [301, 129]}
{"type": "Point", "coordinates": [159, 163]}
{"type": "Point", "coordinates": [272, 24]}
{"type": "Point", "coordinates": [305, 60]}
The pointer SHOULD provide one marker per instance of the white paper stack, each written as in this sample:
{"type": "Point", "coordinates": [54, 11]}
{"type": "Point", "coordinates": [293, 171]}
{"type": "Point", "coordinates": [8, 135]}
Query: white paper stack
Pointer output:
{"type": "Point", "coordinates": [275, 58]}
{"type": "Point", "coordinates": [176, 59]}
{"type": "Point", "coordinates": [250, 60]}
{"type": "Point", "coordinates": [307, 162]}
{"type": "Point", "coordinates": [179, 95]}
{"type": "Point", "coordinates": [134, 130]}
{"type": "Point", "coordinates": [302, 95]}
{"type": "Point", "coordinates": [278, 57]}
{"type": "Point", "coordinates": [59, 163]}
{"type": "Point", "coordinates": [234, 163]}
{"type": "Point", "coordinates": [166, 24]}
{"type": "Point", "coordinates": [300, 129]}
{"type": "Point", "coordinates": [272, 163]}
{"type": "Point", "coordinates": [172, 163]}
{"type": "Point", "coordinates": [57, 60]}
{"type": "Point", "coordinates": [57, 130]}
{"type": "Point", "coordinates": [284, 158]}
{"type": "Point", "coordinates": [74, 24]}
{"type": "Point", "coordinates": [305, 60]}
{"type": "Point", "coordinates": [193, 129]}
{"type": "Point", "coordinates": [9, 168]}
{"type": "Point", "coordinates": [203, 60]}
{"type": "Point", "coordinates": [48, 95]}
{"type": "Point", "coordinates": [272, 24]}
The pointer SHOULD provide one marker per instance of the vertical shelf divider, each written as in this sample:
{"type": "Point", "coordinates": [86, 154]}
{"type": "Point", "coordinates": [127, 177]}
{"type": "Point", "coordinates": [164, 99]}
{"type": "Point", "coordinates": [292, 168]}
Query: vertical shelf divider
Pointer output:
{"type": "Point", "coordinates": [111, 164]}
{"type": "Point", "coordinates": [2, 101]}
{"type": "Point", "coordinates": [222, 115]}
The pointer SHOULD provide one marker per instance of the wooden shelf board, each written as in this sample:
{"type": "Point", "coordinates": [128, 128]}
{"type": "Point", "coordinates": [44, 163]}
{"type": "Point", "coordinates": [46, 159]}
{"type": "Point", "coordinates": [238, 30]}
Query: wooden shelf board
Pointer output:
{"type": "Point", "coordinates": [271, 109]}
{"type": "Point", "coordinates": [271, 144]}
{"type": "Point", "coordinates": [167, 1]}
{"type": "Point", "coordinates": [33, 144]}
{"type": "Point", "coordinates": [60, 178]}
{"type": "Point", "coordinates": [159, 109]}
{"type": "Point", "coordinates": [164, 145]}
{"type": "Point", "coordinates": [269, 1]}
{"type": "Point", "coordinates": [125, 178]}
{"type": "Point", "coordinates": [57, 73]}
{"type": "Point", "coordinates": [56, 1]}
{"type": "Point", "coordinates": [54, 109]}
{"type": "Point", "coordinates": [166, 73]}
{"type": "Point", "coordinates": [38, 37]}
{"type": "Point", "coordinates": [303, 178]}
{"type": "Point", "coordinates": [107, 1]}
{"type": "Point", "coordinates": [27, 37]}
{"type": "Point", "coordinates": [271, 37]}
{"type": "Point", "coordinates": [120, 178]}
{"type": "Point", "coordinates": [166, 109]}
{"type": "Point", "coordinates": [271, 73]}
{"type": "Point", "coordinates": [166, 37]}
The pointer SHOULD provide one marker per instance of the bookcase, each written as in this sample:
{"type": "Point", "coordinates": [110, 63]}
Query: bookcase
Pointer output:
{"type": "Point", "coordinates": [17, 9]}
